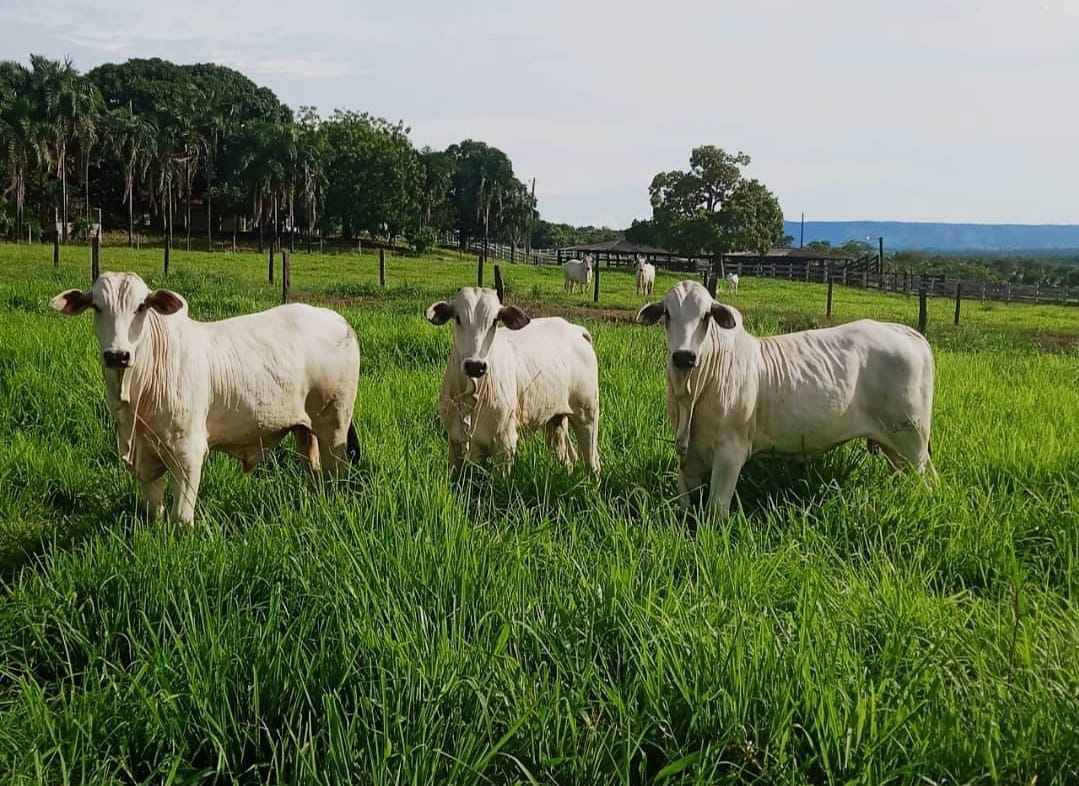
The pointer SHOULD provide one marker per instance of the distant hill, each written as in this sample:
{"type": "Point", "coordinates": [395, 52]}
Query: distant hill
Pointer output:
{"type": "Point", "coordinates": [944, 237]}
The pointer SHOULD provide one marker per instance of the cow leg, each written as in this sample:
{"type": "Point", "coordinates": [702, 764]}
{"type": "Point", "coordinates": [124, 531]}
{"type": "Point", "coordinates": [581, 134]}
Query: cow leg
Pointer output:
{"type": "Point", "coordinates": [187, 463]}
{"type": "Point", "coordinates": [586, 428]}
{"type": "Point", "coordinates": [307, 443]}
{"type": "Point", "coordinates": [153, 495]}
{"type": "Point", "coordinates": [151, 474]}
{"type": "Point", "coordinates": [558, 442]}
{"type": "Point", "coordinates": [457, 454]}
{"type": "Point", "coordinates": [726, 466]}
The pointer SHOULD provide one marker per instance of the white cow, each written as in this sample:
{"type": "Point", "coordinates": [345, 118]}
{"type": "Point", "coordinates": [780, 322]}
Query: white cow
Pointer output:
{"type": "Point", "coordinates": [646, 276]}
{"type": "Point", "coordinates": [731, 395]}
{"type": "Point", "coordinates": [178, 388]}
{"type": "Point", "coordinates": [732, 282]}
{"type": "Point", "coordinates": [577, 272]}
{"type": "Point", "coordinates": [499, 384]}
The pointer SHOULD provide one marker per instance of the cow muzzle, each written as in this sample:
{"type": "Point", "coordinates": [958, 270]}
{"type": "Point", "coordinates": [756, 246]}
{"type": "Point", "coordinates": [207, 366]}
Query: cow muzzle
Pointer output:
{"type": "Point", "coordinates": [113, 358]}
{"type": "Point", "coordinates": [475, 368]}
{"type": "Point", "coordinates": [684, 359]}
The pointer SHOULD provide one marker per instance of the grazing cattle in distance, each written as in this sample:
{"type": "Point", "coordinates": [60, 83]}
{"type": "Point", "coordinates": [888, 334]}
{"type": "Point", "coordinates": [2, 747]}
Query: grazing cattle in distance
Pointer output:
{"type": "Point", "coordinates": [731, 395]}
{"type": "Point", "coordinates": [577, 272]}
{"type": "Point", "coordinates": [646, 276]}
{"type": "Point", "coordinates": [502, 384]}
{"type": "Point", "coordinates": [732, 282]}
{"type": "Point", "coordinates": [178, 388]}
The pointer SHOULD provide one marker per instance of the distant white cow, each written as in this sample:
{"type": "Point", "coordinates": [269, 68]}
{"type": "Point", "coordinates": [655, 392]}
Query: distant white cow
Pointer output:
{"type": "Point", "coordinates": [731, 395]}
{"type": "Point", "coordinates": [178, 388]}
{"type": "Point", "coordinates": [646, 276]}
{"type": "Point", "coordinates": [732, 282]}
{"type": "Point", "coordinates": [499, 384]}
{"type": "Point", "coordinates": [577, 272]}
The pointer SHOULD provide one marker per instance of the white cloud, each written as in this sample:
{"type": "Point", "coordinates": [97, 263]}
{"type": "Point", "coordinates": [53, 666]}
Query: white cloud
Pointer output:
{"type": "Point", "coordinates": [927, 109]}
{"type": "Point", "coordinates": [310, 65]}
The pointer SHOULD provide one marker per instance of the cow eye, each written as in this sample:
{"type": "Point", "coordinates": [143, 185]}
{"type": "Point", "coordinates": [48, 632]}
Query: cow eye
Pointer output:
{"type": "Point", "coordinates": [457, 319]}
{"type": "Point", "coordinates": [142, 307]}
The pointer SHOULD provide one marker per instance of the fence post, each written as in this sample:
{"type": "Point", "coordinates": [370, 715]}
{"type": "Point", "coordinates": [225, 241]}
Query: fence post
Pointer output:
{"type": "Point", "coordinates": [500, 286]}
{"type": "Point", "coordinates": [56, 251]}
{"type": "Point", "coordinates": [828, 273]}
{"type": "Point", "coordinates": [958, 299]}
{"type": "Point", "coordinates": [479, 270]}
{"type": "Point", "coordinates": [270, 267]}
{"type": "Point", "coordinates": [285, 275]}
{"type": "Point", "coordinates": [95, 256]}
{"type": "Point", "coordinates": [923, 313]}
{"type": "Point", "coordinates": [710, 283]}
{"type": "Point", "coordinates": [382, 267]}
{"type": "Point", "coordinates": [595, 285]}
{"type": "Point", "coordinates": [168, 248]}
{"type": "Point", "coordinates": [865, 279]}
{"type": "Point", "coordinates": [1008, 292]}
{"type": "Point", "coordinates": [1037, 292]}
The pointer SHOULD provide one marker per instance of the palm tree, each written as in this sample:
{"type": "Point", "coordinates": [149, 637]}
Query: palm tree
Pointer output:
{"type": "Point", "coordinates": [134, 140]}
{"type": "Point", "coordinates": [18, 134]}
{"type": "Point", "coordinates": [69, 106]}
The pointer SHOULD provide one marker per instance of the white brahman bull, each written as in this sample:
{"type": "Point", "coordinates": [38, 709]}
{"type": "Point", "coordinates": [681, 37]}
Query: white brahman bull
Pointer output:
{"type": "Point", "coordinates": [178, 388]}
{"type": "Point", "coordinates": [646, 276]}
{"type": "Point", "coordinates": [499, 384]}
{"type": "Point", "coordinates": [732, 282]}
{"type": "Point", "coordinates": [731, 395]}
{"type": "Point", "coordinates": [577, 272]}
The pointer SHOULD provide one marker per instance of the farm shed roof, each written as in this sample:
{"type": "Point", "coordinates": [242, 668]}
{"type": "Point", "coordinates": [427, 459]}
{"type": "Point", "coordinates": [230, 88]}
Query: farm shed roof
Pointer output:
{"type": "Point", "coordinates": [619, 246]}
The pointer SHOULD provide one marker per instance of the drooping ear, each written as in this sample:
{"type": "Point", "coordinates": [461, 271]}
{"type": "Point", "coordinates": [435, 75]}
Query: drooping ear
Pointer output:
{"type": "Point", "coordinates": [723, 316]}
{"type": "Point", "coordinates": [164, 301]}
{"type": "Point", "coordinates": [72, 302]}
{"type": "Point", "coordinates": [513, 317]}
{"type": "Point", "coordinates": [439, 313]}
{"type": "Point", "coordinates": [650, 314]}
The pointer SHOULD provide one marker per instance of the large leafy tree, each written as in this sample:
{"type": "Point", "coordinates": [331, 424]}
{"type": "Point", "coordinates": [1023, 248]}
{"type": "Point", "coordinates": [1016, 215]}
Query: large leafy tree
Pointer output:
{"type": "Point", "coordinates": [712, 209]}
{"type": "Point", "coordinates": [481, 174]}
{"type": "Point", "coordinates": [373, 174]}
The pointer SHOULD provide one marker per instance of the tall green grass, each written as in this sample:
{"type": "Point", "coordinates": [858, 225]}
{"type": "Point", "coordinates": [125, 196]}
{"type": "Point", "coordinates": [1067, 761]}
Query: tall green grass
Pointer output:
{"type": "Point", "coordinates": [847, 625]}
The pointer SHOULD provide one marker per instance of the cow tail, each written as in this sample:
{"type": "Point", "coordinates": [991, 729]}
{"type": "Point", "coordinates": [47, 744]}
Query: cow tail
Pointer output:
{"type": "Point", "coordinates": [353, 449]}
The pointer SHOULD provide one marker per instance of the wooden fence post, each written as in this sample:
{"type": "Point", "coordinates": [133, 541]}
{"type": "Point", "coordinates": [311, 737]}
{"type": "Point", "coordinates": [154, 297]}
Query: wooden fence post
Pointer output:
{"type": "Point", "coordinates": [56, 251]}
{"type": "Point", "coordinates": [286, 284]}
{"type": "Point", "coordinates": [270, 268]}
{"type": "Point", "coordinates": [95, 257]}
{"type": "Point", "coordinates": [828, 273]}
{"type": "Point", "coordinates": [500, 286]}
{"type": "Point", "coordinates": [923, 312]}
{"type": "Point", "coordinates": [479, 270]}
{"type": "Point", "coordinates": [168, 249]}
{"type": "Point", "coordinates": [958, 299]}
{"type": "Point", "coordinates": [382, 267]}
{"type": "Point", "coordinates": [595, 285]}
{"type": "Point", "coordinates": [710, 283]}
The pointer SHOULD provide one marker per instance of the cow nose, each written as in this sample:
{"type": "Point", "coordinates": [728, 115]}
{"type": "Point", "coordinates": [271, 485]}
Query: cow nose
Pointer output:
{"type": "Point", "coordinates": [115, 359]}
{"type": "Point", "coordinates": [475, 368]}
{"type": "Point", "coordinates": [684, 359]}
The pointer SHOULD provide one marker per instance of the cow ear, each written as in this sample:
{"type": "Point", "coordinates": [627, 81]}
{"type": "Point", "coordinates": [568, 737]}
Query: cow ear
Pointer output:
{"type": "Point", "coordinates": [723, 316]}
{"type": "Point", "coordinates": [513, 317]}
{"type": "Point", "coordinates": [650, 314]}
{"type": "Point", "coordinates": [164, 301]}
{"type": "Point", "coordinates": [439, 313]}
{"type": "Point", "coordinates": [72, 302]}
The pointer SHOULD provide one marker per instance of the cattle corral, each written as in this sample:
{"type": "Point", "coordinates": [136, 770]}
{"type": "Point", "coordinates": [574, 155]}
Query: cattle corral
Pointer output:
{"type": "Point", "coordinates": [844, 624]}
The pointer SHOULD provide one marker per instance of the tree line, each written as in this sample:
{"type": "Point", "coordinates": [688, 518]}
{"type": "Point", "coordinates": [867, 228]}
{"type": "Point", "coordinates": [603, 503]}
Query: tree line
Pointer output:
{"type": "Point", "coordinates": [148, 142]}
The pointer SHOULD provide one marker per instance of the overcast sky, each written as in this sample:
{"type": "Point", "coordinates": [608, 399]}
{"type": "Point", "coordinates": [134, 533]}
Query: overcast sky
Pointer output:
{"type": "Point", "coordinates": [919, 110]}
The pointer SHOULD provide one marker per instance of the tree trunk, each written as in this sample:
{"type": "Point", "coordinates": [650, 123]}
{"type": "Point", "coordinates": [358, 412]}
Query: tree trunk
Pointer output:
{"type": "Point", "coordinates": [187, 216]}
{"type": "Point", "coordinates": [63, 181]}
{"type": "Point", "coordinates": [209, 211]}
